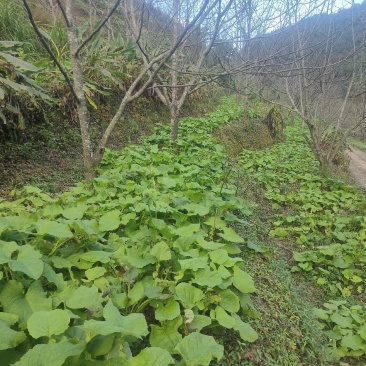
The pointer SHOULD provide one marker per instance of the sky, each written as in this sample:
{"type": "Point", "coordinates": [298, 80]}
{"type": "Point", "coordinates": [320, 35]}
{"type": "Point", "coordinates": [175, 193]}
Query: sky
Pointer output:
{"type": "Point", "coordinates": [346, 3]}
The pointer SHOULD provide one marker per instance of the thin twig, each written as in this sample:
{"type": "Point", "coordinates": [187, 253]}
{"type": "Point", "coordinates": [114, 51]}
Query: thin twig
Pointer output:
{"type": "Point", "coordinates": [49, 50]}
{"type": "Point", "coordinates": [64, 13]}
{"type": "Point", "coordinates": [98, 28]}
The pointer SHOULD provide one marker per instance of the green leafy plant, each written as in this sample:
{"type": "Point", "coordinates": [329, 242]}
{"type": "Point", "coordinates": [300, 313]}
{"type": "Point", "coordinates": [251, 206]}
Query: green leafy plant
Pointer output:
{"type": "Point", "coordinates": [345, 327]}
{"type": "Point", "coordinates": [136, 266]}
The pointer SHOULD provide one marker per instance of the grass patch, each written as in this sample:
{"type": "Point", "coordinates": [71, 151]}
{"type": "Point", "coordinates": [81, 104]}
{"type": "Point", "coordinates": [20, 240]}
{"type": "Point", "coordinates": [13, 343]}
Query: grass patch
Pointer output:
{"type": "Point", "coordinates": [360, 144]}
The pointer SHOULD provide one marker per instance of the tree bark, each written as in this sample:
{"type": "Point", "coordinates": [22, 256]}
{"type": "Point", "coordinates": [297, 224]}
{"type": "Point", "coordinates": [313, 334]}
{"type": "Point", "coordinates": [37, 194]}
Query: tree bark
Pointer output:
{"type": "Point", "coordinates": [81, 105]}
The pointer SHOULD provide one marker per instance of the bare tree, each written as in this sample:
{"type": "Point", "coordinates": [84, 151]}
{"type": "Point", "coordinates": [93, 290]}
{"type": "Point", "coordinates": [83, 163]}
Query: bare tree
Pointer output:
{"type": "Point", "coordinates": [318, 82]}
{"type": "Point", "coordinates": [186, 71]}
{"type": "Point", "coordinates": [93, 152]}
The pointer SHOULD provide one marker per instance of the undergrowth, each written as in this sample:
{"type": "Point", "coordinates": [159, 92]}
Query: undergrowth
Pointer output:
{"type": "Point", "coordinates": [326, 219]}
{"type": "Point", "coordinates": [138, 266]}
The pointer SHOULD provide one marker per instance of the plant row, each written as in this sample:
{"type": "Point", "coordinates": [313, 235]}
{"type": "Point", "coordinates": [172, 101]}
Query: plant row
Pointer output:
{"type": "Point", "coordinates": [135, 267]}
{"type": "Point", "coordinates": [327, 220]}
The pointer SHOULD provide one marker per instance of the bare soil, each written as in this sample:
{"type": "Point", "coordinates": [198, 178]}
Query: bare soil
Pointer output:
{"type": "Point", "coordinates": [358, 165]}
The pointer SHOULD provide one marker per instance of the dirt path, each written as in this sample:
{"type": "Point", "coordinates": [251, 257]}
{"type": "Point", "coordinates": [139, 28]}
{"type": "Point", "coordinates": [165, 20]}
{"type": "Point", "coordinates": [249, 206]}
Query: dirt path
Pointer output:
{"type": "Point", "coordinates": [358, 165]}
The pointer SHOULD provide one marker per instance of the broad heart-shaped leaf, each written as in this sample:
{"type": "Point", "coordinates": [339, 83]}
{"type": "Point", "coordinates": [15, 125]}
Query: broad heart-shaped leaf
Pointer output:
{"type": "Point", "coordinates": [230, 235]}
{"type": "Point", "coordinates": [56, 278]}
{"type": "Point", "coordinates": [342, 321]}
{"type": "Point", "coordinates": [198, 349]}
{"type": "Point", "coordinates": [53, 228]}
{"type": "Point", "coordinates": [242, 281]}
{"type": "Point", "coordinates": [219, 256]}
{"type": "Point", "coordinates": [28, 262]}
{"type": "Point", "coordinates": [52, 210]}
{"type": "Point", "coordinates": [247, 333]}
{"type": "Point", "coordinates": [196, 209]}
{"type": "Point", "coordinates": [166, 336]}
{"type": "Point", "coordinates": [100, 345]}
{"type": "Point", "coordinates": [132, 324]}
{"type": "Point", "coordinates": [54, 354]}
{"type": "Point", "coordinates": [188, 295]}
{"type": "Point", "coordinates": [224, 318]}
{"type": "Point", "coordinates": [187, 230]}
{"type": "Point", "coordinates": [152, 356]}
{"type": "Point", "coordinates": [161, 251]}
{"type": "Point", "coordinates": [194, 263]}
{"type": "Point", "coordinates": [9, 338]}
{"type": "Point", "coordinates": [158, 224]}
{"type": "Point", "coordinates": [96, 256]}
{"type": "Point", "coordinates": [74, 213]}
{"type": "Point", "coordinates": [18, 223]}
{"type": "Point", "coordinates": [229, 301]}
{"type": "Point", "coordinates": [207, 278]}
{"type": "Point", "coordinates": [354, 342]}
{"type": "Point", "coordinates": [48, 323]}
{"type": "Point", "coordinates": [14, 301]}
{"type": "Point", "coordinates": [167, 312]}
{"type": "Point", "coordinates": [6, 250]}
{"type": "Point", "coordinates": [95, 272]}
{"type": "Point", "coordinates": [84, 297]}
{"type": "Point", "coordinates": [110, 221]}
{"type": "Point", "coordinates": [199, 322]}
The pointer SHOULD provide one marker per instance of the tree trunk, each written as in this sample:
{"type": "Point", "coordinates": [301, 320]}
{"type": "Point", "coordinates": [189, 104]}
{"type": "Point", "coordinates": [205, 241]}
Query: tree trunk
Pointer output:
{"type": "Point", "coordinates": [174, 127]}
{"type": "Point", "coordinates": [82, 109]}
{"type": "Point", "coordinates": [174, 75]}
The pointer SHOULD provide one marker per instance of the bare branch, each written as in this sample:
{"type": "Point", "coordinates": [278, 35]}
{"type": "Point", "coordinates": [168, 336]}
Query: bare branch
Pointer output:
{"type": "Point", "coordinates": [96, 30]}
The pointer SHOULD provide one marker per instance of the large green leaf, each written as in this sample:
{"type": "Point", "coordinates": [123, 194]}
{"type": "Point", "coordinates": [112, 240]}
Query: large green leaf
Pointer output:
{"type": "Point", "coordinates": [74, 213]}
{"type": "Point", "coordinates": [199, 322]}
{"type": "Point", "coordinates": [15, 302]}
{"type": "Point", "coordinates": [219, 256]}
{"type": "Point", "coordinates": [95, 272]}
{"type": "Point", "coordinates": [132, 324]}
{"type": "Point", "coordinates": [243, 281]}
{"type": "Point", "coordinates": [166, 336]}
{"type": "Point", "coordinates": [54, 354]}
{"type": "Point", "coordinates": [101, 345]}
{"type": "Point", "coordinates": [229, 301]}
{"type": "Point", "coordinates": [54, 228]}
{"type": "Point", "coordinates": [230, 235]}
{"type": "Point", "coordinates": [48, 323]}
{"type": "Point", "coordinates": [247, 333]}
{"type": "Point", "coordinates": [84, 297]}
{"type": "Point", "coordinates": [198, 349]}
{"type": "Point", "coordinates": [207, 278]}
{"type": "Point", "coordinates": [95, 256]}
{"type": "Point", "coordinates": [224, 318]}
{"type": "Point", "coordinates": [194, 263]}
{"type": "Point", "coordinates": [187, 230]}
{"type": "Point", "coordinates": [152, 356]}
{"type": "Point", "coordinates": [6, 251]}
{"type": "Point", "coordinates": [110, 221]}
{"type": "Point", "coordinates": [196, 209]}
{"type": "Point", "coordinates": [161, 251]}
{"type": "Point", "coordinates": [9, 338]}
{"type": "Point", "coordinates": [189, 295]}
{"type": "Point", "coordinates": [28, 262]}
{"type": "Point", "coordinates": [169, 311]}
{"type": "Point", "coordinates": [354, 342]}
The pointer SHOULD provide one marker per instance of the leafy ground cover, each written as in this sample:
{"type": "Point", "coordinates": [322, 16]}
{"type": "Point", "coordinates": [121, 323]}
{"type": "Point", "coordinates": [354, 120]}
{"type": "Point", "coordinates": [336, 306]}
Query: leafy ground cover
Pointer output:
{"type": "Point", "coordinates": [326, 219]}
{"type": "Point", "coordinates": [138, 266]}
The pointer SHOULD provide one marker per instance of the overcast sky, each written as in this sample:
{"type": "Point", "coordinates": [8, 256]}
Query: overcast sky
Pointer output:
{"type": "Point", "coordinates": [346, 3]}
